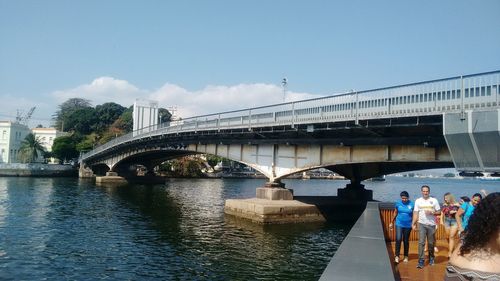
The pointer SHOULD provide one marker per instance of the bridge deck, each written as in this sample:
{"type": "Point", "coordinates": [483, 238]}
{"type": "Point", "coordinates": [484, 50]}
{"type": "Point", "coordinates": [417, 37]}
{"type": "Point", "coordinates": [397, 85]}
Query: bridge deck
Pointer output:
{"type": "Point", "coordinates": [409, 271]}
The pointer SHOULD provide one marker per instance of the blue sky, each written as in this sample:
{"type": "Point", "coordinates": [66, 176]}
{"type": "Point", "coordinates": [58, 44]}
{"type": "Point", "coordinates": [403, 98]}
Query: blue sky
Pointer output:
{"type": "Point", "coordinates": [208, 56]}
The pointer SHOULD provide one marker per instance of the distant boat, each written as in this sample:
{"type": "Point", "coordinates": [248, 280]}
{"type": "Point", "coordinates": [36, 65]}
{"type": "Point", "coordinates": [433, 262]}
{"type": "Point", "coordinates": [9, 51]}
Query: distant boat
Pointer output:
{"type": "Point", "coordinates": [381, 178]}
{"type": "Point", "coordinates": [489, 178]}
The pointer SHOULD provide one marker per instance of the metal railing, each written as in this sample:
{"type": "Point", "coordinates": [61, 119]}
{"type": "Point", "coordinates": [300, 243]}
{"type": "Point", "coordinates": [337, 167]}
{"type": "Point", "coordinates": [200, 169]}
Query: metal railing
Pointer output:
{"type": "Point", "coordinates": [454, 94]}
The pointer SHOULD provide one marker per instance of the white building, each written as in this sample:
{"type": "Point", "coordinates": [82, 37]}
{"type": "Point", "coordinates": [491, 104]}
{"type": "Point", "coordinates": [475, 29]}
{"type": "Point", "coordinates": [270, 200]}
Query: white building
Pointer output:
{"type": "Point", "coordinates": [11, 136]}
{"type": "Point", "coordinates": [47, 136]}
{"type": "Point", "coordinates": [145, 115]}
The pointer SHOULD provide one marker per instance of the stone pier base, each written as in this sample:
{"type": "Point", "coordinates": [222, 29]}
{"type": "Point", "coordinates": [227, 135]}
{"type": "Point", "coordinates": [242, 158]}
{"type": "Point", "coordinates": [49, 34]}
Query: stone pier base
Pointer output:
{"type": "Point", "coordinates": [271, 193]}
{"type": "Point", "coordinates": [111, 178]}
{"type": "Point", "coordinates": [273, 211]}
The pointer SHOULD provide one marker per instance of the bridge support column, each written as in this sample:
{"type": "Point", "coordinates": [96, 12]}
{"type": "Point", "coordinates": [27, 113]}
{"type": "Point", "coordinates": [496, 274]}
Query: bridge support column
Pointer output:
{"type": "Point", "coordinates": [355, 191]}
{"type": "Point", "coordinates": [274, 190]}
{"type": "Point", "coordinates": [111, 178]}
{"type": "Point", "coordinates": [85, 172]}
{"type": "Point", "coordinates": [274, 204]}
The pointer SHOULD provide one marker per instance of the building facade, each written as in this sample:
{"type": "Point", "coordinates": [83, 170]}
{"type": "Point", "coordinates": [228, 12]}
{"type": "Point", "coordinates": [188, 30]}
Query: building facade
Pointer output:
{"type": "Point", "coordinates": [145, 115]}
{"type": "Point", "coordinates": [11, 136]}
{"type": "Point", "coordinates": [47, 136]}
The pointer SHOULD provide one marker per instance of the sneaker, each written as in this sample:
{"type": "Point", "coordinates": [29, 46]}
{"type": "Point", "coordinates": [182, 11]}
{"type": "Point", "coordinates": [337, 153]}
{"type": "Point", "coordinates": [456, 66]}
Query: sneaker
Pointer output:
{"type": "Point", "coordinates": [431, 261]}
{"type": "Point", "coordinates": [396, 259]}
{"type": "Point", "coordinates": [405, 259]}
{"type": "Point", "coordinates": [420, 264]}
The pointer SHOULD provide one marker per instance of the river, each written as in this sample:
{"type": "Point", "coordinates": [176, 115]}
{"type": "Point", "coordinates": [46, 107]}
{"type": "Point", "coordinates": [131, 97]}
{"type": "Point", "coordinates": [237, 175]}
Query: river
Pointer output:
{"type": "Point", "coordinates": [70, 229]}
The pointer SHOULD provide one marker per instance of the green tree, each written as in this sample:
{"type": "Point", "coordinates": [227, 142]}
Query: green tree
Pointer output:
{"type": "Point", "coordinates": [89, 142]}
{"type": "Point", "coordinates": [108, 113]}
{"type": "Point", "coordinates": [66, 109]}
{"type": "Point", "coordinates": [64, 147]}
{"type": "Point", "coordinates": [125, 121]}
{"type": "Point", "coordinates": [82, 121]}
{"type": "Point", "coordinates": [187, 166]}
{"type": "Point", "coordinates": [164, 114]}
{"type": "Point", "coordinates": [213, 160]}
{"type": "Point", "coordinates": [31, 148]}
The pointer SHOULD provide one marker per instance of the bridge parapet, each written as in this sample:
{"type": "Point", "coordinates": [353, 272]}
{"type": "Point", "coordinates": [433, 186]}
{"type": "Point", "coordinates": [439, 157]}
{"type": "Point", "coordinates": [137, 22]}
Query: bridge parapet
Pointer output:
{"type": "Point", "coordinates": [450, 95]}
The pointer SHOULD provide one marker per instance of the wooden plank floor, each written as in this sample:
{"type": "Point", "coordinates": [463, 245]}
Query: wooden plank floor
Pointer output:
{"type": "Point", "coordinates": [408, 270]}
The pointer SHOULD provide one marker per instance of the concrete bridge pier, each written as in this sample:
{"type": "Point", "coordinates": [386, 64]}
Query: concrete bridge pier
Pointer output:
{"type": "Point", "coordinates": [355, 191]}
{"type": "Point", "coordinates": [111, 178]}
{"type": "Point", "coordinates": [273, 204]}
{"type": "Point", "coordinates": [274, 190]}
{"type": "Point", "coordinates": [85, 172]}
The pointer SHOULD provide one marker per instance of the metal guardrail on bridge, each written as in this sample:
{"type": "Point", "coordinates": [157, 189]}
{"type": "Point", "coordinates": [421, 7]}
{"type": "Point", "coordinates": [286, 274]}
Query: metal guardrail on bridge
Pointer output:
{"type": "Point", "coordinates": [454, 94]}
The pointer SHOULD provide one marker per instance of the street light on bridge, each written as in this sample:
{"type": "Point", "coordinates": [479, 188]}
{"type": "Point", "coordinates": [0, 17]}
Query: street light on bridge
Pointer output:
{"type": "Point", "coordinates": [284, 82]}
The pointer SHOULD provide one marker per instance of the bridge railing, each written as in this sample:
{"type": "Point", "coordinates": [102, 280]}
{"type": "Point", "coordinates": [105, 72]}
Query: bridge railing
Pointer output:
{"type": "Point", "coordinates": [453, 94]}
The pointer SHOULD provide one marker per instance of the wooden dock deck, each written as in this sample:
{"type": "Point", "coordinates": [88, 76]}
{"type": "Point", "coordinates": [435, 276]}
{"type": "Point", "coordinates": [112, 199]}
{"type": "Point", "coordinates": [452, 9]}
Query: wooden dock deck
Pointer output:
{"type": "Point", "coordinates": [408, 271]}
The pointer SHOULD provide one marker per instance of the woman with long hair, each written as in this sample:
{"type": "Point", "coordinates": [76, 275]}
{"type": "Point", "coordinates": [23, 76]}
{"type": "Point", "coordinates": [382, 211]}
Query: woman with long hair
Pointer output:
{"type": "Point", "coordinates": [448, 220]}
{"type": "Point", "coordinates": [478, 258]}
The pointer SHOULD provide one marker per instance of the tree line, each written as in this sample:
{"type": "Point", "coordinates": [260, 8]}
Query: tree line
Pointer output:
{"type": "Point", "coordinates": [86, 127]}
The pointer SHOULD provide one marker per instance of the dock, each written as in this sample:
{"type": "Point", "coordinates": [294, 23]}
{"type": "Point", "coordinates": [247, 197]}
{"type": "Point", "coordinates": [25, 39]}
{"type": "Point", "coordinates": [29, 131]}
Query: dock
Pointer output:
{"type": "Point", "coordinates": [367, 253]}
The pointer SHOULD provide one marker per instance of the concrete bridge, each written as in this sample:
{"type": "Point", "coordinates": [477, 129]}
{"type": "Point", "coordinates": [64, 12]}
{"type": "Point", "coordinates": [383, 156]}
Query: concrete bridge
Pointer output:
{"type": "Point", "coordinates": [433, 124]}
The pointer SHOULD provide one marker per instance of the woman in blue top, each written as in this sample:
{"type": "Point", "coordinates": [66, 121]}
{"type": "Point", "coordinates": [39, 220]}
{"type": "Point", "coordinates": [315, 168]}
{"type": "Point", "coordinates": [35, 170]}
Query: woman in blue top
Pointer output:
{"type": "Point", "coordinates": [466, 210]}
{"type": "Point", "coordinates": [403, 213]}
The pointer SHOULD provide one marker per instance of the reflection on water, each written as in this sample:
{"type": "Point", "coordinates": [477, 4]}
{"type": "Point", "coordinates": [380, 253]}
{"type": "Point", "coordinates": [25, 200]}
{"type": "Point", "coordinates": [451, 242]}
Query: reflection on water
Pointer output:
{"type": "Point", "coordinates": [71, 229]}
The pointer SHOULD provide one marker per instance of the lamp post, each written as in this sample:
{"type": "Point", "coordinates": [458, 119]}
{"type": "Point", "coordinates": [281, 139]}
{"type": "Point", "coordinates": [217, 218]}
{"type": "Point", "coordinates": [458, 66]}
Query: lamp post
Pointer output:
{"type": "Point", "coordinates": [284, 82]}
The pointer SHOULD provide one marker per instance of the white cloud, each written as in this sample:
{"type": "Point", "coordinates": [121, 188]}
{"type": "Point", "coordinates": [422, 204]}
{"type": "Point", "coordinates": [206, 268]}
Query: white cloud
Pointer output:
{"type": "Point", "coordinates": [101, 90]}
{"type": "Point", "coordinates": [211, 99]}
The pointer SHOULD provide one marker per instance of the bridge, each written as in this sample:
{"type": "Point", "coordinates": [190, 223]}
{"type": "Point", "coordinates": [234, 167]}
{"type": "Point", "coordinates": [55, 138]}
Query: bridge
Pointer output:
{"type": "Point", "coordinates": [451, 122]}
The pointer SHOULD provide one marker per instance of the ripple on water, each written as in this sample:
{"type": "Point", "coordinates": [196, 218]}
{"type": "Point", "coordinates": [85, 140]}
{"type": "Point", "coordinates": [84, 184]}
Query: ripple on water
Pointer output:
{"type": "Point", "coordinates": [72, 230]}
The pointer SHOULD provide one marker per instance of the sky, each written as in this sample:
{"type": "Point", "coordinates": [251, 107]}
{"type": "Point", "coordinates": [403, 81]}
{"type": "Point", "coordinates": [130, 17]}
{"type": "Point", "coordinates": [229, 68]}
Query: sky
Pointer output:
{"type": "Point", "coordinates": [211, 56]}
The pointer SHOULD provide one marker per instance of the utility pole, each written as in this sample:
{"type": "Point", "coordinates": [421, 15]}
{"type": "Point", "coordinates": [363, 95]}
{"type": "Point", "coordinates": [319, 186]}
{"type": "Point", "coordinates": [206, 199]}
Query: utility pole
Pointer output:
{"type": "Point", "coordinates": [284, 82]}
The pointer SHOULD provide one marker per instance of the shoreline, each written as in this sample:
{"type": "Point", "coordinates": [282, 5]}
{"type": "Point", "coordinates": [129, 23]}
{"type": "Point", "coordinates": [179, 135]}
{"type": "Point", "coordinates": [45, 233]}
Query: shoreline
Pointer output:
{"type": "Point", "coordinates": [37, 170]}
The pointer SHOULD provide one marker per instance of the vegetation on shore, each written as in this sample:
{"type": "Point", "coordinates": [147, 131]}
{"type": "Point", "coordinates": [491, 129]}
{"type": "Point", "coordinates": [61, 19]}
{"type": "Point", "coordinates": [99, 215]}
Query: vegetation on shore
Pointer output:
{"type": "Point", "coordinates": [87, 126]}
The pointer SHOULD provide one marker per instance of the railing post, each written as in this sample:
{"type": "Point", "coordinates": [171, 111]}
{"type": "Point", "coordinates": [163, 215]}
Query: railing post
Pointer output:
{"type": "Point", "coordinates": [462, 95]}
{"type": "Point", "coordinates": [249, 119]}
{"type": "Point", "coordinates": [357, 105]}
{"type": "Point", "coordinates": [218, 123]}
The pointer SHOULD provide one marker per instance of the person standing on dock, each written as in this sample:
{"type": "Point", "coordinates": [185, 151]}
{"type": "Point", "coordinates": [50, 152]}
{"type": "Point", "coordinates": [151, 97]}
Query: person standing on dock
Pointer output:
{"type": "Point", "coordinates": [478, 256]}
{"type": "Point", "coordinates": [465, 211]}
{"type": "Point", "coordinates": [450, 208]}
{"type": "Point", "coordinates": [403, 213]}
{"type": "Point", "coordinates": [424, 213]}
